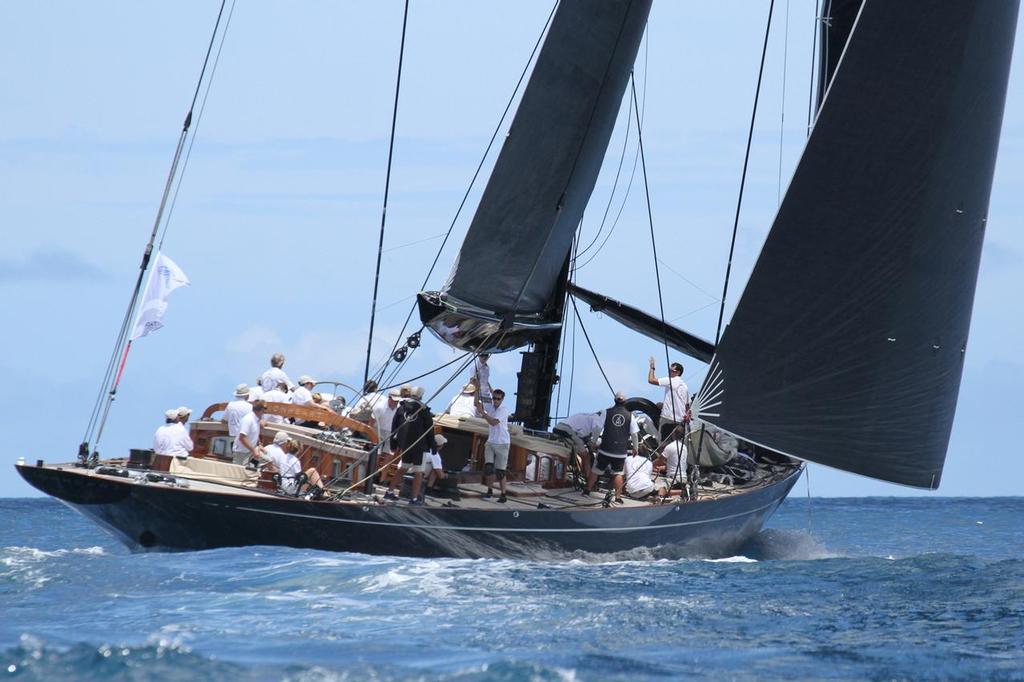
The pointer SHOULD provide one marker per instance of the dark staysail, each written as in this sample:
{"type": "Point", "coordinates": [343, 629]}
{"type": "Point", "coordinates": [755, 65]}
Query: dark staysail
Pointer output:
{"type": "Point", "coordinates": [847, 346]}
{"type": "Point", "coordinates": [648, 325]}
{"type": "Point", "coordinates": [514, 253]}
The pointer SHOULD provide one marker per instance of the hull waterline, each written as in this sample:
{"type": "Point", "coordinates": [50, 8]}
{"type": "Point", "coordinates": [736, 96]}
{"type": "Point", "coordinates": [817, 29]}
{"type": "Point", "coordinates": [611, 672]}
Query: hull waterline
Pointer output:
{"type": "Point", "coordinates": [163, 517]}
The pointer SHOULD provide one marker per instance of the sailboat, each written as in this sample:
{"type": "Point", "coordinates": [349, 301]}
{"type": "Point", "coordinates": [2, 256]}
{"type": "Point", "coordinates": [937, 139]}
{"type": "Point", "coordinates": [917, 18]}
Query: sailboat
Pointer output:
{"type": "Point", "coordinates": [846, 347]}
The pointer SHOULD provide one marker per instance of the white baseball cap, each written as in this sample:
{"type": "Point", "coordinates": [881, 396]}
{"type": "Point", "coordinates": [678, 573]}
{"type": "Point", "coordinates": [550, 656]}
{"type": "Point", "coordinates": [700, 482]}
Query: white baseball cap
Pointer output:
{"type": "Point", "coordinates": [281, 437]}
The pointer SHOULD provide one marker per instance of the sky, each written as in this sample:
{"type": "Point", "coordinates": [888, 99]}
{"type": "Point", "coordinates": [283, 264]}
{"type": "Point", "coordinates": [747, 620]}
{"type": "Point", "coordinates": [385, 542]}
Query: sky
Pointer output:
{"type": "Point", "coordinates": [277, 214]}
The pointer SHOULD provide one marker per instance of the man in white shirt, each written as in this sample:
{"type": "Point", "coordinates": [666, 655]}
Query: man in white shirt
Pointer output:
{"type": "Point", "coordinates": [674, 453]}
{"type": "Point", "coordinates": [675, 407]}
{"type": "Point", "coordinates": [279, 394]}
{"type": "Point", "coordinates": [275, 375]}
{"type": "Point", "coordinates": [639, 472]}
{"type": "Point", "coordinates": [236, 409]}
{"type": "Point", "coordinates": [498, 442]}
{"type": "Point", "coordinates": [482, 377]}
{"type": "Point", "coordinates": [383, 419]}
{"type": "Point", "coordinates": [247, 442]}
{"type": "Point", "coordinates": [285, 463]}
{"type": "Point", "coordinates": [464, 404]}
{"type": "Point", "coordinates": [172, 438]}
{"type": "Point", "coordinates": [302, 394]}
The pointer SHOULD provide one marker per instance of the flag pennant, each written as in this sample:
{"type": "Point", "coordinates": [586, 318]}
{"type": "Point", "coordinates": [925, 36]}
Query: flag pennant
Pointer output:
{"type": "Point", "coordinates": [164, 278]}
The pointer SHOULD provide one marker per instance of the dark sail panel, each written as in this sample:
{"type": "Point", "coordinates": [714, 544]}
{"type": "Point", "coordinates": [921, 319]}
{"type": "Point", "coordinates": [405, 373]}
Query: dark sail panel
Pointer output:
{"type": "Point", "coordinates": [520, 236]}
{"type": "Point", "coordinates": [847, 346]}
{"type": "Point", "coordinates": [648, 325]}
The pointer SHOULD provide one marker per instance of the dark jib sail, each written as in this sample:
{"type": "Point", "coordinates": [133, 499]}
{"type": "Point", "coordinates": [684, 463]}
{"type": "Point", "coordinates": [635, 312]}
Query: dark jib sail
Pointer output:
{"type": "Point", "coordinates": [847, 346]}
{"type": "Point", "coordinates": [516, 248]}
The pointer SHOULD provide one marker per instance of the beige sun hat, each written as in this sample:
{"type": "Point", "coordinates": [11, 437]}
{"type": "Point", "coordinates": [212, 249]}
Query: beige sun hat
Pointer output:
{"type": "Point", "coordinates": [242, 391]}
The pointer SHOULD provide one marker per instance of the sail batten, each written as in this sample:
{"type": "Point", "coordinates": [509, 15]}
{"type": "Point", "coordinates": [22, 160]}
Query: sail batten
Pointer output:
{"type": "Point", "coordinates": [846, 347]}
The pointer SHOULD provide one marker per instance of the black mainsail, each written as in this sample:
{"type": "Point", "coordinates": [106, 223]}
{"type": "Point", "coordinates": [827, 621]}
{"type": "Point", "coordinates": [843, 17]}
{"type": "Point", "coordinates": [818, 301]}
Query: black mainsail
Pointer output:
{"type": "Point", "coordinates": [511, 267]}
{"type": "Point", "coordinates": [846, 347]}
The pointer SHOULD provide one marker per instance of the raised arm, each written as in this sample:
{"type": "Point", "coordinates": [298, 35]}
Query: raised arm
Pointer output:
{"type": "Point", "coordinates": [651, 378]}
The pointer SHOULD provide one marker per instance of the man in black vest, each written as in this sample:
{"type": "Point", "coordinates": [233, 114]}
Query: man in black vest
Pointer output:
{"type": "Point", "coordinates": [620, 430]}
{"type": "Point", "coordinates": [412, 435]}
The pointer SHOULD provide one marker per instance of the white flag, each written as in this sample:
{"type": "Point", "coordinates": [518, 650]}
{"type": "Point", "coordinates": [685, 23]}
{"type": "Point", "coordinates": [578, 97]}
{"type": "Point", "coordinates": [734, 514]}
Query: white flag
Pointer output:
{"type": "Point", "coordinates": [164, 278]}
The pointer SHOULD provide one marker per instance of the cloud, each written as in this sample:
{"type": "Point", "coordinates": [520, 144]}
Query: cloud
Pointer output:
{"type": "Point", "coordinates": [50, 264]}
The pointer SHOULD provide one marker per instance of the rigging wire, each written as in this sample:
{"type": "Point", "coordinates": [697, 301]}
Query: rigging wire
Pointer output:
{"type": "Point", "coordinates": [615, 184]}
{"type": "Point", "coordinates": [657, 270]}
{"type": "Point", "coordinates": [636, 159]}
{"type": "Point", "coordinates": [195, 128]}
{"type": "Point", "coordinates": [472, 182]}
{"type": "Point", "coordinates": [782, 119]}
{"type": "Point", "coordinates": [814, 51]}
{"type": "Point", "coordinates": [592, 351]}
{"type": "Point", "coordinates": [387, 187]}
{"type": "Point", "coordinates": [739, 201]}
{"type": "Point", "coordinates": [118, 351]}
{"type": "Point", "coordinates": [743, 176]}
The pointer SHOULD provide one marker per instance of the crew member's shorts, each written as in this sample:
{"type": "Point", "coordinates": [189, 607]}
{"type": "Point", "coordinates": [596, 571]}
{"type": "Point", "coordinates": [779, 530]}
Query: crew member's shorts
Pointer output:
{"type": "Point", "coordinates": [608, 464]}
{"type": "Point", "coordinates": [641, 494]}
{"type": "Point", "coordinates": [241, 457]}
{"type": "Point", "coordinates": [496, 454]}
{"type": "Point", "coordinates": [434, 463]}
{"type": "Point", "coordinates": [421, 465]}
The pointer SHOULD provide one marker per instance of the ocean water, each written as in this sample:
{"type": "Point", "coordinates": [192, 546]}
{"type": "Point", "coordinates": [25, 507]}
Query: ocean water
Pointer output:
{"type": "Point", "coordinates": [833, 589]}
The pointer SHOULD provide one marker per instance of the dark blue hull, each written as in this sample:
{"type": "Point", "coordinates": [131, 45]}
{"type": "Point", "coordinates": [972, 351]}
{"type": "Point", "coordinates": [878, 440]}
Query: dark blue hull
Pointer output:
{"type": "Point", "coordinates": [172, 518]}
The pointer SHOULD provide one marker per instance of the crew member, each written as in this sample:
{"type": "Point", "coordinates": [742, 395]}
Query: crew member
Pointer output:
{"type": "Point", "coordinates": [482, 377]}
{"type": "Point", "coordinates": [675, 407]}
{"type": "Point", "coordinates": [620, 429]}
{"type": "Point", "coordinates": [279, 394]}
{"type": "Point", "coordinates": [275, 375]}
{"type": "Point", "coordinates": [247, 443]}
{"type": "Point", "coordinates": [464, 404]}
{"type": "Point", "coordinates": [171, 438]}
{"type": "Point", "coordinates": [581, 431]}
{"type": "Point", "coordinates": [498, 442]}
{"type": "Point", "coordinates": [411, 435]}
{"type": "Point", "coordinates": [236, 409]}
{"type": "Point", "coordinates": [302, 394]}
{"type": "Point", "coordinates": [362, 409]}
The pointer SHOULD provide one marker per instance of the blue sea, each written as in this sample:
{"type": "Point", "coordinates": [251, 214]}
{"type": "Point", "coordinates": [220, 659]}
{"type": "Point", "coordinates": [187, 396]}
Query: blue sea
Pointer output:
{"type": "Point", "coordinates": [833, 589]}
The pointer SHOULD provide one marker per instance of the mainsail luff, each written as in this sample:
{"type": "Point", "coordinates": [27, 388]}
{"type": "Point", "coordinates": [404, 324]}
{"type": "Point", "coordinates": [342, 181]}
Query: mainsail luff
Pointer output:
{"type": "Point", "coordinates": [517, 244]}
{"type": "Point", "coordinates": [846, 347]}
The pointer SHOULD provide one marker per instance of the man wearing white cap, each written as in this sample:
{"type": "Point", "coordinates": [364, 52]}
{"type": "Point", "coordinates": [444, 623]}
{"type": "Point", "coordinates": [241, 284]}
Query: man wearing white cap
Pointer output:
{"type": "Point", "coordinates": [284, 462]}
{"type": "Point", "coordinates": [236, 409]}
{"type": "Point", "coordinates": [172, 438]}
{"type": "Point", "coordinates": [275, 375]}
{"type": "Point", "coordinates": [303, 393]}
